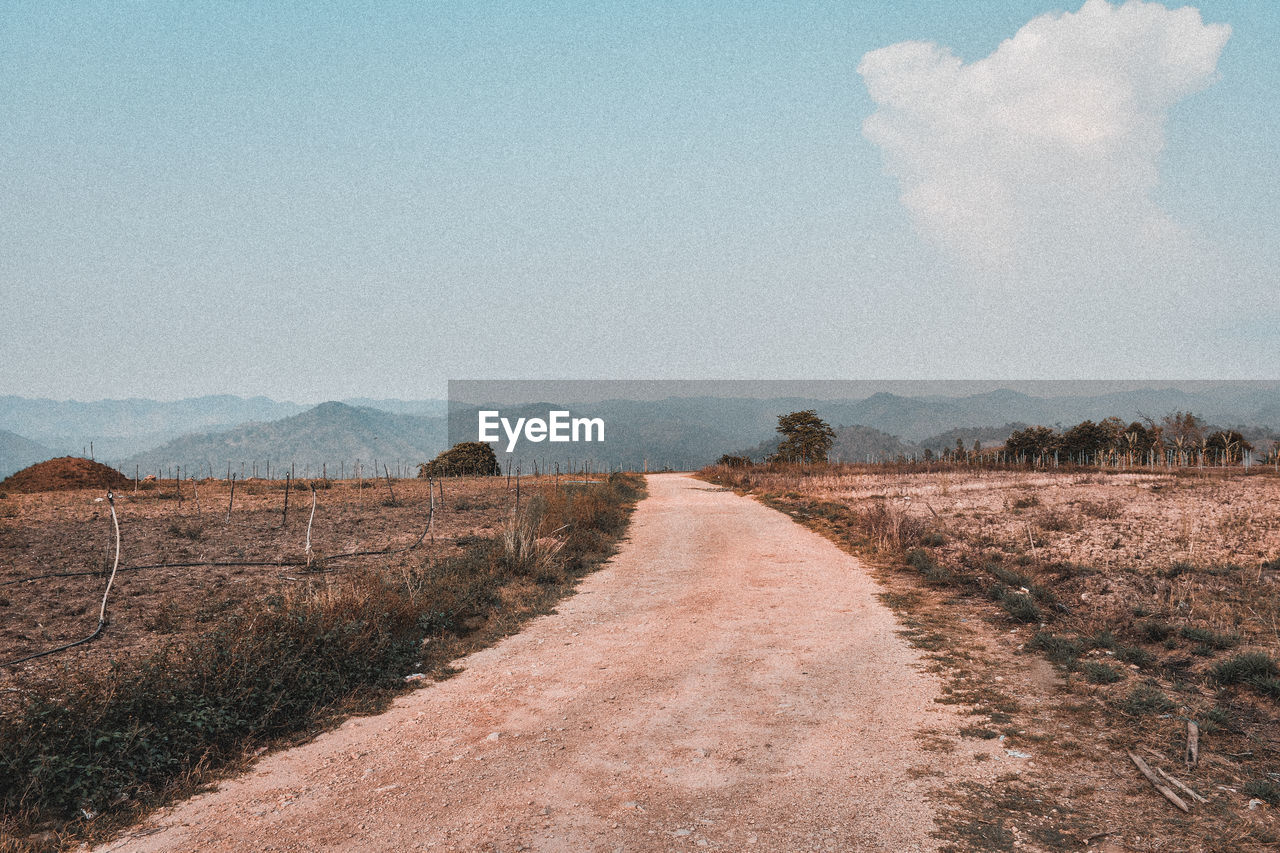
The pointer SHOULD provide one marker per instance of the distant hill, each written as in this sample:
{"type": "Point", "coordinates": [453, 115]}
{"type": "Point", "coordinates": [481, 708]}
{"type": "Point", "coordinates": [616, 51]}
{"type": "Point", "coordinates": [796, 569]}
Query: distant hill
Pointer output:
{"type": "Point", "coordinates": [988, 436]}
{"type": "Point", "coordinates": [17, 452]}
{"type": "Point", "coordinates": [332, 434]}
{"type": "Point", "coordinates": [687, 432]}
{"type": "Point", "coordinates": [851, 444]}
{"type": "Point", "coordinates": [676, 431]}
{"type": "Point", "coordinates": [862, 443]}
{"type": "Point", "coordinates": [122, 429]}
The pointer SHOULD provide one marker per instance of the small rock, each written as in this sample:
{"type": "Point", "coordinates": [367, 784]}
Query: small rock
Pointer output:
{"type": "Point", "coordinates": [494, 736]}
{"type": "Point", "coordinates": [680, 833]}
{"type": "Point", "coordinates": [1255, 804]}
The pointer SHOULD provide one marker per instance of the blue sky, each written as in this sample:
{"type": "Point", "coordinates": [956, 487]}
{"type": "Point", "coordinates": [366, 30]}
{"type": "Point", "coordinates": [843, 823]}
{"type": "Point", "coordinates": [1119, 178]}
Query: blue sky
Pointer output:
{"type": "Point", "coordinates": [317, 202]}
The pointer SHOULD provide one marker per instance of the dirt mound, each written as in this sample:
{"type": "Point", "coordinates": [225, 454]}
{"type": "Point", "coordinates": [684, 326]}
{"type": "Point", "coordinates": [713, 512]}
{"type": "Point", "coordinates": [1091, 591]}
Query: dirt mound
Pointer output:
{"type": "Point", "coordinates": [64, 474]}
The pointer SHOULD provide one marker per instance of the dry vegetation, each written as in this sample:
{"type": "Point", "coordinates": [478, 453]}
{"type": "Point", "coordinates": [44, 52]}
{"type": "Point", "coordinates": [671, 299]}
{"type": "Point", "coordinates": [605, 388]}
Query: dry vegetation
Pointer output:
{"type": "Point", "coordinates": [1079, 615]}
{"type": "Point", "coordinates": [254, 642]}
{"type": "Point", "coordinates": [67, 532]}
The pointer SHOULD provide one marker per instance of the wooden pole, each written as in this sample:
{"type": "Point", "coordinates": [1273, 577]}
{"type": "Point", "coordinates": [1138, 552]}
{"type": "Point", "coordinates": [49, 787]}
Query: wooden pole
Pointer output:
{"type": "Point", "coordinates": [232, 501]}
{"type": "Point", "coordinates": [285, 518]}
{"type": "Point", "coordinates": [389, 489]}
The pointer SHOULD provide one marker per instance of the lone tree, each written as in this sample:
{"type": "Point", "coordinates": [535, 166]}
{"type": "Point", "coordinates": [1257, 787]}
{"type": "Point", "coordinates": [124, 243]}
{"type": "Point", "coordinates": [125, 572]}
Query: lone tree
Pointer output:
{"type": "Point", "coordinates": [468, 458]}
{"type": "Point", "coordinates": [806, 437]}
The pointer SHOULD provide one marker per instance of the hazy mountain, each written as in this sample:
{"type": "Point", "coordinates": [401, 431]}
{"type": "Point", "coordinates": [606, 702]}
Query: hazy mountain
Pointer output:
{"type": "Point", "coordinates": [17, 453]}
{"type": "Point", "coordinates": [125, 428]}
{"type": "Point", "coordinates": [428, 408]}
{"type": "Point", "coordinates": [332, 434]}
{"type": "Point", "coordinates": [680, 432]}
{"type": "Point", "coordinates": [989, 436]}
{"type": "Point", "coordinates": [686, 432]}
{"type": "Point", "coordinates": [122, 427]}
{"type": "Point", "coordinates": [862, 443]}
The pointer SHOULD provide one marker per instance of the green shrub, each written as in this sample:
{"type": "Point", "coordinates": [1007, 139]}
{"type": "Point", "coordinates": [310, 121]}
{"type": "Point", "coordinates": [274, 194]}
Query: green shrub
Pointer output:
{"type": "Point", "coordinates": [466, 458]}
{"type": "Point", "coordinates": [1059, 649]}
{"type": "Point", "coordinates": [1101, 673]}
{"type": "Point", "coordinates": [1135, 655]}
{"type": "Point", "coordinates": [1154, 631]}
{"type": "Point", "coordinates": [1246, 667]}
{"type": "Point", "coordinates": [1007, 576]}
{"type": "Point", "coordinates": [1212, 639]}
{"type": "Point", "coordinates": [1263, 789]}
{"type": "Point", "coordinates": [921, 561]}
{"type": "Point", "coordinates": [1146, 699]}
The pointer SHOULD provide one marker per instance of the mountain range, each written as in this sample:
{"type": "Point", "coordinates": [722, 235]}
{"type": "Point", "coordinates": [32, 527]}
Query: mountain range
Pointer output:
{"type": "Point", "coordinates": [212, 433]}
{"type": "Point", "coordinates": [331, 437]}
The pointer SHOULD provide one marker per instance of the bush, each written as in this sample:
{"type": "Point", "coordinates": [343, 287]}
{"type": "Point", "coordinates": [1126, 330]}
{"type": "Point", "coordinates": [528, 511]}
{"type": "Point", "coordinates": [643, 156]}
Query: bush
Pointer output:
{"type": "Point", "coordinates": [467, 458]}
{"type": "Point", "coordinates": [730, 461]}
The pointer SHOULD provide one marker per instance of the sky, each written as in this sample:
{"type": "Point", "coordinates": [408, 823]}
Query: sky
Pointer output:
{"type": "Point", "coordinates": [313, 201]}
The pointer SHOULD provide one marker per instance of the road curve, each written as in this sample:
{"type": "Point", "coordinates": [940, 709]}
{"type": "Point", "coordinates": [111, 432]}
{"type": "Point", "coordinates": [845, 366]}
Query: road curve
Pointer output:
{"type": "Point", "coordinates": [728, 681]}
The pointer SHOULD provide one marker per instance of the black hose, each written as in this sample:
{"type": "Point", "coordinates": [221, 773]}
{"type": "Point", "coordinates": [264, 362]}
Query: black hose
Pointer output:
{"type": "Point", "coordinates": [102, 611]}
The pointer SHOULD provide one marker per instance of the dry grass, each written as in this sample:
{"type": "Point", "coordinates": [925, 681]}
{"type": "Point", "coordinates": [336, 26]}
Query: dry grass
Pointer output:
{"type": "Point", "coordinates": [92, 739]}
{"type": "Point", "coordinates": [1155, 597]}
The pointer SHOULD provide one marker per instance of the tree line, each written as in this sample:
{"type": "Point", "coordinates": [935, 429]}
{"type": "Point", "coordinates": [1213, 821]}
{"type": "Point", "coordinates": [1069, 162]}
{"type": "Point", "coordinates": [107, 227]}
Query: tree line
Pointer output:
{"type": "Point", "coordinates": [1179, 439]}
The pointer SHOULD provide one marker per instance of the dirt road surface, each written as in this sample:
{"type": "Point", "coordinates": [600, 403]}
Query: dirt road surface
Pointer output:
{"type": "Point", "coordinates": [727, 682]}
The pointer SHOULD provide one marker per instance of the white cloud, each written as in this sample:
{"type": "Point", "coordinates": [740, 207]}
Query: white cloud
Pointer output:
{"type": "Point", "coordinates": [1039, 160]}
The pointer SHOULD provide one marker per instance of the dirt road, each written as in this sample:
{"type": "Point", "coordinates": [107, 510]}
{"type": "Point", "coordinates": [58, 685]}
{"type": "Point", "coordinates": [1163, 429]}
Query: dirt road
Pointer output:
{"type": "Point", "coordinates": [728, 681]}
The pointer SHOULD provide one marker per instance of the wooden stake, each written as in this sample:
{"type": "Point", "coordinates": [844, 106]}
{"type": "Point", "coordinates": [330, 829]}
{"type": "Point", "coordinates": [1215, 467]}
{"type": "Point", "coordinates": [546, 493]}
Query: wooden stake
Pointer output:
{"type": "Point", "coordinates": [232, 501]}
{"type": "Point", "coordinates": [1192, 756]}
{"type": "Point", "coordinates": [309, 520]}
{"type": "Point", "coordinates": [1181, 787]}
{"type": "Point", "coordinates": [1164, 789]}
{"type": "Point", "coordinates": [389, 489]}
{"type": "Point", "coordinates": [285, 519]}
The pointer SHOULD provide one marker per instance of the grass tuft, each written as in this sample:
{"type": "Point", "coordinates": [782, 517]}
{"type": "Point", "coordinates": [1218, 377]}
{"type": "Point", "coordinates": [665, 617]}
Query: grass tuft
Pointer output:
{"type": "Point", "coordinates": [1101, 673]}
{"type": "Point", "coordinates": [1146, 699]}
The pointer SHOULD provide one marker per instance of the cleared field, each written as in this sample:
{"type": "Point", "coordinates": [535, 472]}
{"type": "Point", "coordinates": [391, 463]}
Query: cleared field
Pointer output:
{"type": "Point", "coordinates": [51, 533]}
{"type": "Point", "coordinates": [1081, 615]}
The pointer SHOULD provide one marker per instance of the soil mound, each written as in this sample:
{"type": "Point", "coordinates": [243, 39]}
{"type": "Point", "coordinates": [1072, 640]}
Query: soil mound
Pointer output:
{"type": "Point", "coordinates": [64, 474]}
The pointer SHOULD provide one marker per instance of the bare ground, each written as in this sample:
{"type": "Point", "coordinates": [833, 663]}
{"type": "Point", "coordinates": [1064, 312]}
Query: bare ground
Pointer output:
{"type": "Point", "coordinates": [729, 681]}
